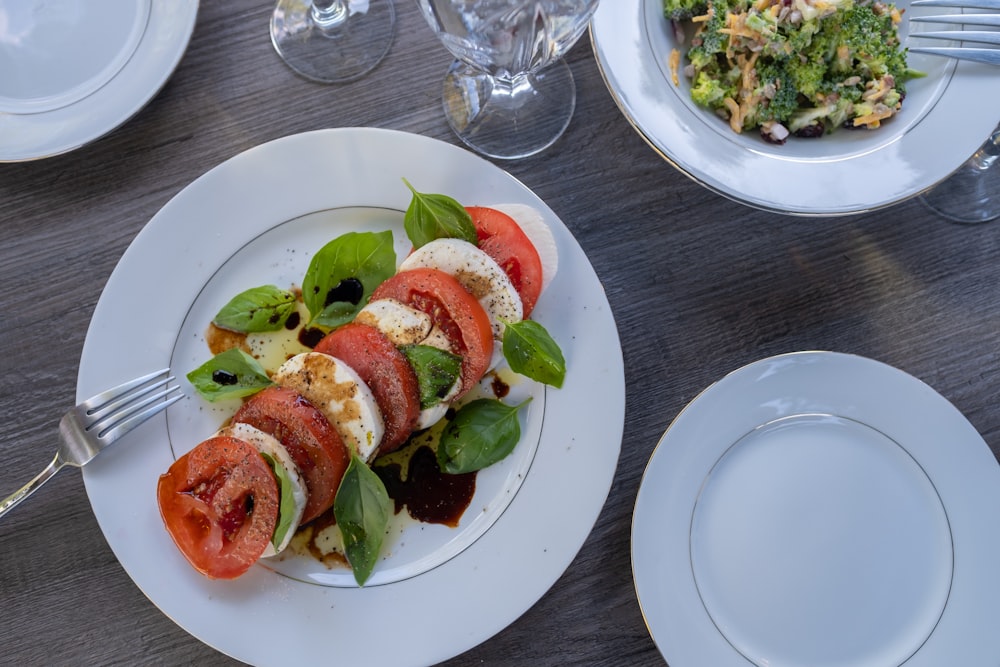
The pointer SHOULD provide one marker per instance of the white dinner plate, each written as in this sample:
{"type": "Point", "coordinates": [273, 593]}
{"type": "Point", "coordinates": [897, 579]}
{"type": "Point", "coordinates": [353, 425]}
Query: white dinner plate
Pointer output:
{"type": "Point", "coordinates": [820, 509]}
{"type": "Point", "coordinates": [73, 70]}
{"type": "Point", "coordinates": [945, 117]}
{"type": "Point", "coordinates": [258, 217]}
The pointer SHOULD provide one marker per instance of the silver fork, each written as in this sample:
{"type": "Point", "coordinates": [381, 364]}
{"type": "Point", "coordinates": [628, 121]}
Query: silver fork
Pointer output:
{"type": "Point", "coordinates": [97, 422]}
{"type": "Point", "coordinates": [982, 55]}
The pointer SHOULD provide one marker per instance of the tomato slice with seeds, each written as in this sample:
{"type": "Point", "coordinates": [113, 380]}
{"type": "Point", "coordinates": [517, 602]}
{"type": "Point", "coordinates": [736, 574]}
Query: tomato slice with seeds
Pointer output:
{"type": "Point", "coordinates": [219, 502]}
{"type": "Point", "coordinates": [310, 439]}
{"type": "Point", "coordinates": [387, 373]}
{"type": "Point", "coordinates": [502, 239]}
{"type": "Point", "coordinates": [453, 310]}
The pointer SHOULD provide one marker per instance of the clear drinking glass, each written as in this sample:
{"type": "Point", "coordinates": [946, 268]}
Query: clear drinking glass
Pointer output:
{"type": "Point", "coordinates": [508, 94]}
{"type": "Point", "coordinates": [972, 193]}
{"type": "Point", "coordinates": [333, 41]}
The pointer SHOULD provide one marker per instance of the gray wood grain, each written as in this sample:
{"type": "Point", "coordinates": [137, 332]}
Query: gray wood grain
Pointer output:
{"type": "Point", "coordinates": [699, 286]}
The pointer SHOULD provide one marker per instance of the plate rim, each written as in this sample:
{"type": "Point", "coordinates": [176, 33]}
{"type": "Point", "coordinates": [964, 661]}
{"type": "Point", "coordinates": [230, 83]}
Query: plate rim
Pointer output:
{"type": "Point", "coordinates": [164, 42]}
{"type": "Point", "coordinates": [970, 577]}
{"type": "Point", "coordinates": [256, 595]}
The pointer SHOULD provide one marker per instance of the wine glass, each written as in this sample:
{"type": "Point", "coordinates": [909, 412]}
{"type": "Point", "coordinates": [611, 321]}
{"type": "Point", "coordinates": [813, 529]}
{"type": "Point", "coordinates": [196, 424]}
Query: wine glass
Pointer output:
{"type": "Point", "coordinates": [333, 41]}
{"type": "Point", "coordinates": [508, 94]}
{"type": "Point", "coordinates": [972, 193]}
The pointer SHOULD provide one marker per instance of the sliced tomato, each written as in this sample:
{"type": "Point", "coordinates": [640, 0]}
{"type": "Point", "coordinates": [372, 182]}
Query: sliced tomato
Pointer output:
{"type": "Point", "coordinates": [219, 503]}
{"type": "Point", "coordinates": [502, 238]}
{"type": "Point", "coordinates": [387, 373]}
{"type": "Point", "coordinates": [453, 310]}
{"type": "Point", "coordinates": [310, 439]}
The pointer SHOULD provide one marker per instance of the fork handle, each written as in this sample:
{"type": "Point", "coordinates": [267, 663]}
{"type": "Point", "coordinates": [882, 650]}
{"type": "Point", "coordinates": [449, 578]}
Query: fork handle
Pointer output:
{"type": "Point", "coordinates": [11, 501]}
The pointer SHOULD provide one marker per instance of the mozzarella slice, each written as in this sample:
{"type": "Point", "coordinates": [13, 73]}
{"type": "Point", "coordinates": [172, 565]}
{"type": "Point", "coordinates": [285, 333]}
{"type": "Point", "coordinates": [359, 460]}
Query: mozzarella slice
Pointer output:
{"type": "Point", "coordinates": [265, 443]}
{"type": "Point", "coordinates": [538, 232]}
{"type": "Point", "coordinates": [399, 323]}
{"type": "Point", "coordinates": [340, 394]}
{"type": "Point", "coordinates": [477, 272]}
{"type": "Point", "coordinates": [402, 324]}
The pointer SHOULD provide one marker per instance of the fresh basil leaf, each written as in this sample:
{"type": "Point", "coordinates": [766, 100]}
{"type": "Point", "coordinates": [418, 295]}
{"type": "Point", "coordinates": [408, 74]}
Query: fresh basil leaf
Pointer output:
{"type": "Point", "coordinates": [262, 308]}
{"type": "Point", "coordinates": [437, 371]}
{"type": "Point", "coordinates": [482, 432]}
{"type": "Point", "coordinates": [343, 274]}
{"type": "Point", "coordinates": [229, 374]}
{"type": "Point", "coordinates": [286, 506]}
{"type": "Point", "coordinates": [530, 351]}
{"type": "Point", "coordinates": [430, 217]}
{"type": "Point", "coordinates": [362, 508]}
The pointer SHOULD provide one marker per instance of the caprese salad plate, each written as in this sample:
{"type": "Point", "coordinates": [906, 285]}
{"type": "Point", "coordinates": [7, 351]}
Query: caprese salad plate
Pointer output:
{"type": "Point", "coordinates": [841, 173]}
{"type": "Point", "coordinates": [437, 590]}
{"type": "Point", "coordinates": [818, 508]}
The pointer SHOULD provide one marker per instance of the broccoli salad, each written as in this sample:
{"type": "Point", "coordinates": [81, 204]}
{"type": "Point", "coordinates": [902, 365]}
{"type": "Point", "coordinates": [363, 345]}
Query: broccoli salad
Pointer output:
{"type": "Point", "coordinates": [793, 67]}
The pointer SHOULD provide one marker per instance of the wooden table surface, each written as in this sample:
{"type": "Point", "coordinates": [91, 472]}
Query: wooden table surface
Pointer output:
{"type": "Point", "coordinates": [699, 285]}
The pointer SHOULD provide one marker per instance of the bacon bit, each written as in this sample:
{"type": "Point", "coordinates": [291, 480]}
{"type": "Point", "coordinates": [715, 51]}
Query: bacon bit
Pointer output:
{"type": "Point", "coordinates": [674, 62]}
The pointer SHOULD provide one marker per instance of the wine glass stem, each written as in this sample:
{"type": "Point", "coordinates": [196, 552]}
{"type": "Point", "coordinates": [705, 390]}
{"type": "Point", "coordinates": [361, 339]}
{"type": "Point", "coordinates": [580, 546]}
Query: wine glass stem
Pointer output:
{"type": "Point", "coordinates": [509, 89]}
{"type": "Point", "coordinates": [328, 13]}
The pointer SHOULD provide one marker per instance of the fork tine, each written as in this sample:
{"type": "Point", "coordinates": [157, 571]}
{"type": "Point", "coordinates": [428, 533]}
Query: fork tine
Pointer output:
{"type": "Point", "coordinates": [977, 36]}
{"type": "Point", "coordinates": [977, 4]}
{"type": "Point", "coordinates": [98, 401]}
{"type": "Point", "coordinates": [961, 19]}
{"type": "Point", "coordinates": [133, 419]}
{"type": "Point", "coordinates": [95, 416]}
{"type": "Point", "coordinates": [988, 56]}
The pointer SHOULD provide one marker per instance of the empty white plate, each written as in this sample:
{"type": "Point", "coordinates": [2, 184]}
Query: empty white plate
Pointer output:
{"type": "Point", "coordinates": [72, 71]}
{"type": "Point", "coordinates": [819, 509]}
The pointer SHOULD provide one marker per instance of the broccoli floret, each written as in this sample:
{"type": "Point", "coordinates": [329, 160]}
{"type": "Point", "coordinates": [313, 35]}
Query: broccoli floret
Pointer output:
{"type": "Point", "coordinates": [676, 10]}
{"type": "Point", "coordinates": [709, 41]}
{"type": "Point", "coordinates": [766, 24]}
{"type": "Point", "coordinates": [709, 91]}
{"type": "Point", "coordinates": [872, 43]}
{"type": "Point", "coordinates": [812, 116]}
{"type": "Point", "coordinates": [807, 74]}
{"type": "Point", "coordinates": [827, 117]}
{"type": "Point", "coordinates": [779, 89]}
{"type": "Point", "coordinates": [800, 39]}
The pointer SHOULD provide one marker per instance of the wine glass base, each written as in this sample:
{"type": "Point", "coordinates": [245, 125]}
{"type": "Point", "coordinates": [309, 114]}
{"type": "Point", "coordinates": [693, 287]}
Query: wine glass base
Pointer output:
{"type": "Point", "coordinates": [966, 212]}
{"type": "Point", "coordinates": [509, 119]}
{"type": "Point", "coordinates": [971, 195]}
{"type": "Point", "coordinates": [340, 48]}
